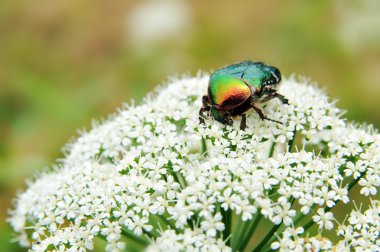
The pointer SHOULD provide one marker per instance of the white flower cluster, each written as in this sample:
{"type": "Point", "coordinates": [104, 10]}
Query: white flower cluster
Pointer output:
{"type": "Point", "coordinates": [152, 177]}
{"type": "Point", "coordinates": [188, 240]}
{"type": "Point", "coordinates": [362, 233]}
{"type": "Point", "coordinates": [363, 229]}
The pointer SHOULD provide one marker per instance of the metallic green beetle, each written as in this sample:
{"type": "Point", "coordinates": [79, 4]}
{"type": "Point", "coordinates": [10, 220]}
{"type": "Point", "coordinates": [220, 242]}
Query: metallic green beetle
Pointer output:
{"type": "Point", "coordinates": [235, 89]}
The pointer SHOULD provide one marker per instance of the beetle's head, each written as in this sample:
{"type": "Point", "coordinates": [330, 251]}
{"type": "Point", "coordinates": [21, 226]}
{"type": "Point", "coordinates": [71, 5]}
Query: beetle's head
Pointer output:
{"type": "Point", "coordinates": [272, 75]}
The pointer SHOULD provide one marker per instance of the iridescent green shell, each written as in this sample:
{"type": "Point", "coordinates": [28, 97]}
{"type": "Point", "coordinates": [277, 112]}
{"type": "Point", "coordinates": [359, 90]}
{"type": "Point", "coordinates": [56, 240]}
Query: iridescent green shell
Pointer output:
{"type": "Point", "coordinates": [227, 92]}
{"type": "Point", "coordinates": [256, 74]}
{"type": "Point", "coordinates": [231, 86]}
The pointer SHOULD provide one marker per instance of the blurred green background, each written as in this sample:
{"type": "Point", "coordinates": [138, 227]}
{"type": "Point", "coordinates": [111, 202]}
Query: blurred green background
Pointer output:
{"type": "Point", "coordinates": [63, 63]}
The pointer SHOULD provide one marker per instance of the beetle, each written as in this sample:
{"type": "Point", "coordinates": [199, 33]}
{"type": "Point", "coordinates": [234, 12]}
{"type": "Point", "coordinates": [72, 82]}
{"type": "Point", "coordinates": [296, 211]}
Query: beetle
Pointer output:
{"type": "Point", "coordinates": [237, 88]}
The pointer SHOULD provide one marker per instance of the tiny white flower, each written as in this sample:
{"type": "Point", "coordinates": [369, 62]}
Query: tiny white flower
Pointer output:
{"type": "Point", "coordinates": [324, 219]}
{"type": "Point", "coordinates": [369, 185]}
{"type": "Point", "coordinates": [212, 225]}
{"type": "Point", "coordinates": [284, 214]}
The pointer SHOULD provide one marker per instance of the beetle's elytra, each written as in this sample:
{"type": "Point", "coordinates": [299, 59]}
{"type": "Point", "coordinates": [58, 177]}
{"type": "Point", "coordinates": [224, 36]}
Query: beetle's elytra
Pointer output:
{"type": "Point", "coordinates": [234, 89]}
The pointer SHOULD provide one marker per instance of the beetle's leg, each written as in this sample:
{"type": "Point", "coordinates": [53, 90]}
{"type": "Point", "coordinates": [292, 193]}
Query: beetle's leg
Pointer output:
{"type": "Point", "coordinates": [261, 114]}
{"type": "Point", "coordinates": [281, 98]}
{"type": "Point", "coordinates": [271, 93]}
{"type": "Point", "coordinates": [243, 122]}
{"type": "Point", "coordinates": [205, 108]}
{"type": "Point", "coordinates": [201, 111]}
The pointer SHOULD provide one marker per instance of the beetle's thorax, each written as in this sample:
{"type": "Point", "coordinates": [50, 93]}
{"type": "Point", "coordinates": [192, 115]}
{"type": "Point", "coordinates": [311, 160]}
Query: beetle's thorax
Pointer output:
{"type": "Point", "coordinates": [256, 92]}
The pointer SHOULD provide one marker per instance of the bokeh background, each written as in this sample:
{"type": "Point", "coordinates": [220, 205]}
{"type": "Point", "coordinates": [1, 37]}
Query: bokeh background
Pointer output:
{"type": "Point", "coordinates": [63, 63]}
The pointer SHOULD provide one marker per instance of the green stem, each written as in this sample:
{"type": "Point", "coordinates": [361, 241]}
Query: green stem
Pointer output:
{"type": "Point", "coordinates": [227, 219]}
{"type": "Point", "coordinates": [292, 200]}
{"type": "Point", "coordinates": [135, 238]}
{"type": "Point", "coordinates": [151, 234]}
{"type": "Point", "coordinates": [255, 224]}
{"type": "Point", "coordinates": [167, 222]}
{"type": "Point", "coordinates": [177, 176]}
{"type": "Point", "coordinates": [181, 182]}
{"type": "Point", "coordinates": [353, 182]}
{"type": "Point", "coordinates": [204, 147]}
{"type": "Point", "coordinates": [271, 151]}
{"type": "Point", "coordinates": [299, 218]}
{"type": "Point", "coordinates": [272, 191]}
{"type": "Point", "coordinates": [267, 238]}
{"type": "Point", "coordinates": [291, 142]}
{"type": "Point", "coordinates": [249, 234]}
{"type": "Point", "coordinates": [237, 232]}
